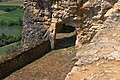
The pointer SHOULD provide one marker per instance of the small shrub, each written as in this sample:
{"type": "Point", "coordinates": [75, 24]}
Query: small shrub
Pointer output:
{"type": "Point", "coordinates": [2, 22]}
{"type": "Point", "coordinates": [20, 22]}
{"type": "Point", "coordinates": [7, 39]}
{"type": "Point", "coordinates": [7, 10]}
{"type": "Point", "coordinates": [10, 23]}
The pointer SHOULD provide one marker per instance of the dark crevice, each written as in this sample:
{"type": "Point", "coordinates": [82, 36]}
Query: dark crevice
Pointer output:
{"type": "Point", "coordinates": [66, 37]}
{"type": "Point", "coordinates": [65, 42]}
{"type": "Point", "coordinates": [67, 29]}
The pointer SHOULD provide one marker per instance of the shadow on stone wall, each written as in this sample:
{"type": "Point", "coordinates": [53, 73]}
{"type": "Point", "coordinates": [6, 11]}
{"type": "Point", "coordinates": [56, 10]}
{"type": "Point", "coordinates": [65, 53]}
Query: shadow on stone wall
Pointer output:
{"type": "Point", "coordinates": [21, 58]}
{"type": "Point", "coordinates": [65, 42]}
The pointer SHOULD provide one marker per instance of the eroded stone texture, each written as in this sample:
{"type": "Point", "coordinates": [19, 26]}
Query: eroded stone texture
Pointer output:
{"type": "Point", "coordinates": [36, 22]}
{"type": "Point", "coordinates": [96, 23]}
{"type": "Point", "coordinates": [91, 15]}
{"type": "Point", "coordinates": [41, 17]}
{"type": "Point", "coordinates": [104, 46]}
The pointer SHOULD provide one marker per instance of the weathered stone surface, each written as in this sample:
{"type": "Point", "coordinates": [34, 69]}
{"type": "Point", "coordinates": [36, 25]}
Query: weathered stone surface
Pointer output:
{"type": "Point", "coordinates": [104, 46]}
{"type": "Point", "coordinates": [96, 23]}
{"type": "Point", "coordinates": [36, 22]}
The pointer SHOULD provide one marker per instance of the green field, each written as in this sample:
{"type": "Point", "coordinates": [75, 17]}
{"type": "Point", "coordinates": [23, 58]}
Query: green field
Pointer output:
{"type": "Point", "coordinates": [13, 15]}
{"type": "Point", "coordinates": [10, 17]}
{"type": "Point", "coordinates": [2, 12]}
{"type": "Point", "coordinates": [8, 48]}
{"type": "Point", "coordinates": [9, 20]}
{"type": "Point", "coordinates": [12, 2]}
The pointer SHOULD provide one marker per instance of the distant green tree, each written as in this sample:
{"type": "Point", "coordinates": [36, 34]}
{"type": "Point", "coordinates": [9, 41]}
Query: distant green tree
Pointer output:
{"type": "Point", "coordinates": [7, 39]}
{"type": "Point", "coordinates": [7, 10]}
{"type": "Point", "coordinates": [20, 22]}
{"type": "Point", "coordinates": [10, 23]}
{"type": "Point", "coordinates": [3, 35]}
{"type": "Point", "coordinates": [2, 22]}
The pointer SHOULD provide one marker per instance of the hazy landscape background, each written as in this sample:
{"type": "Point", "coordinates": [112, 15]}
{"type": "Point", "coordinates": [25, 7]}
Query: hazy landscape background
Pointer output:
{"type": "Point", "coordinates": [11, 18]}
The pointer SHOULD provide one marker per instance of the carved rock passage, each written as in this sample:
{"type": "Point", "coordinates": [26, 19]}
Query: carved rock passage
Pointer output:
{"type": "Point", "coordinates": [94, 21]}
{"type": "Point", "coordinates": [41, 17]}
{"type": "Point", "coordinates": [99, 60]}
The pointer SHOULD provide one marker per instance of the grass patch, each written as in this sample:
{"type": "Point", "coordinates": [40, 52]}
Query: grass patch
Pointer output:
{"type": "Point", "coordinates": [13, 2]}
{"type": "Point", "coordinates": [11, 16]}
{"type": "Point", "coordinates": [2, 12]}
{"type": "Point", "coordinates": [9, 48]}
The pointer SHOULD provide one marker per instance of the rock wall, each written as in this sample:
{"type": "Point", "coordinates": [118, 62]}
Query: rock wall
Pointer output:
{"type": "Point", "coordinates": [87, 16]}
{"type": "Point", "coordinates": [102, 49]}
{"type": "Point", "coordinates": [41, 19]}
{"type": "Point", "coordinates": [21, 58]}
{"type": "Point", "coordinates": [91, 19]}
{"type": "Point", "coordinates": [91, 15]}
{"type": "Point", "coordinates": [36, 22]}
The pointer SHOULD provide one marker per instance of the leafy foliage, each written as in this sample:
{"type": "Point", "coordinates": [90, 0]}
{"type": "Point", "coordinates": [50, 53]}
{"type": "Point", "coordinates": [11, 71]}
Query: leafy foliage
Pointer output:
{"type": "Point", "coordinates": [11, 17]}
{"type": "Point", "coordinates": [7, 39]}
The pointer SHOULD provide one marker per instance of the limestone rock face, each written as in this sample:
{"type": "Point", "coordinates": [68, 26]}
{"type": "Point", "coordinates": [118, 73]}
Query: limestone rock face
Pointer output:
{"type": "Point", "coordinates": [91, 14]}
{"type": "Point", "coordinates": [103, 47]}
{"type": "Point", "coordinates": [36, 22]}
{"type": "Point", "coordinates": [92, 20]}
{"type": "Point", "coordinates": [42, 16]}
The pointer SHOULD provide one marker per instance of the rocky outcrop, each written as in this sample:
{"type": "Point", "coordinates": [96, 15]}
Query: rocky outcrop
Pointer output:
{"type": "Point", "coordinates": [41, 18]}
{"type": "Point", "coordinates": [36, 22]}
{"type": "Point", "coordinates": [103, 50]}
{"type": "Point", "coordinates": [92, 20]}
{"type": "Point", "coordinates": [86, 16]}
{"type": "Point", "coordinates": [91, 15]}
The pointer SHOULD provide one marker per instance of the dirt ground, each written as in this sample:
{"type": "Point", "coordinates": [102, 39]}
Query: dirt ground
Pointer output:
{"type": "Point", "coordinates": [53, 66]}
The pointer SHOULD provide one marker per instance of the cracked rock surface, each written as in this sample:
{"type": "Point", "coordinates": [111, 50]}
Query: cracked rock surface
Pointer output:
{"type": "Point", "coordinates": [100, 59]}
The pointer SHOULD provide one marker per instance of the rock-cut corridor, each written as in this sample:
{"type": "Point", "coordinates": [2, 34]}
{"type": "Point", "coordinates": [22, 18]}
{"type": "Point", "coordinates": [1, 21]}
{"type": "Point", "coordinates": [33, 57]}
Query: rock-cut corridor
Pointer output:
{"type": "Point", "coordinates": [97, 46]}
{"type": "Point", "coordinates": [54, 65]}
